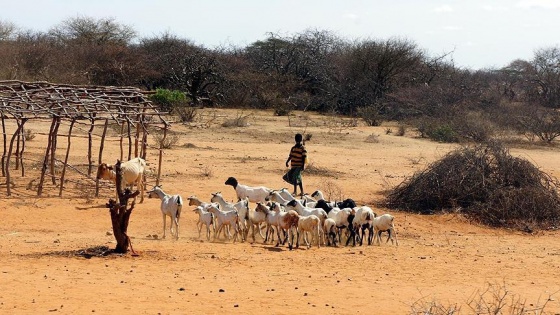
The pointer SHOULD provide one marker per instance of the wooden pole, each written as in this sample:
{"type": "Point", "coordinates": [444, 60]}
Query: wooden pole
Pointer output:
{"type": "Point", "coordinates": [54, 136]}
{"type": "Point", "coordinates": [90, 144]}
{"type": "Point", "coordinates": [129, 139]}
{"type": "Point", "coordinates": [22, 150]}
{"type": "Point", "coordinates": [18, 139]}
{"type": "Point", "coordinates": [5, 143]}
{"type": "Point", "coordinates": [121, 140]}
{"type": "Point", "coordinates": [66, 158]}
{"type": "Point", "coordinates": [100, 158]}
{"type": "Point", "coordinates": [14, 136]}
{"type": "Point", "coordinates": [46, 159]}
{"type": "Point", "coordinates": [137, 136]}
{"type": "Point", "coordinates": [161, 154]}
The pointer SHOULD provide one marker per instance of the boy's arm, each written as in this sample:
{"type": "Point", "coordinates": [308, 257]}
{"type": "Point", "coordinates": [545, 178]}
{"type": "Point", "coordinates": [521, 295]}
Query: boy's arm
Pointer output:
{"type": "Point", "coordinates": [288, 160]}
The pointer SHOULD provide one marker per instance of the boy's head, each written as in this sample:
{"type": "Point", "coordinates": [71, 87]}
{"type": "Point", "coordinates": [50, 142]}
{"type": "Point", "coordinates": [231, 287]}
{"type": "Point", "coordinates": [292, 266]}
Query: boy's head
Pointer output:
{"type": "Point", "coordinates": [299, 137]}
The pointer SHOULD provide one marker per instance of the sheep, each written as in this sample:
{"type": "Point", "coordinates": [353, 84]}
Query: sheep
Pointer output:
{"type": "Point", "coordinates": [255, 219]}
{"type": "Point", "coordinates": [171, 206]}
{"type": "Point", "coordinates": [330, 231]}
{"type": "Point", "coordinates": [310, 224]}
{"type": "Point", "coordinates": [205, 218]}
{"type": "Point", "coordinates": [305, 211]}
{"type": "Point", "coordinates": [223, 219]}
{"type": "Point", "coordinates": [340, 217]}
{"type": "Point", "coordinates": [255, 194]}
{"type": "Point", "coordinates": [346, 203]}
{"type": "Point", "coordinates": [275, 196]}
{"type": "Point", "coordinates": [194, 201]}
{"type": "Point", "coordinates": [285, 221]}
{"type": "Point", "coordinates": [132, 173]}
{"type": "Point", "coordinates": [351, 228]}
{"type": "Point", "coordinates": [242, 208]}
{"type": "Point", "coordinates": [381, 224]}
{"type": "Point", "coordinates": [302, 210]}
{"type": "Point", "coordinates": [364, 221]}
{"type": "Point", "coordinates": [271, 212]}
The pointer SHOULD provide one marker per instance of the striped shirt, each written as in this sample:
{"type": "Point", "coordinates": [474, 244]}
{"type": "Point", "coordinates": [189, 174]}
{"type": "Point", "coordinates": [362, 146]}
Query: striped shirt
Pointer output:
{"type": "Point", "coordinates": [297, 155]}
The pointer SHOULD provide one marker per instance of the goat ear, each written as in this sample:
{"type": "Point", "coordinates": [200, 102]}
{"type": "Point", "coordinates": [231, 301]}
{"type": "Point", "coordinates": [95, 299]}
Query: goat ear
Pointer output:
{"type": "Point", "coordinates": [110, 168]}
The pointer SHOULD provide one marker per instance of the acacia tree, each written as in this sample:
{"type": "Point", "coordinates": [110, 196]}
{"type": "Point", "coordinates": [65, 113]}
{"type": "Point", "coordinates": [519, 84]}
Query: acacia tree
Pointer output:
{"type": "Point", "coordinates": [96, 51]}
{"type": "Point", "coordinates": [176, 63]}
{"type": "Point", "coordinates": [546, 77]}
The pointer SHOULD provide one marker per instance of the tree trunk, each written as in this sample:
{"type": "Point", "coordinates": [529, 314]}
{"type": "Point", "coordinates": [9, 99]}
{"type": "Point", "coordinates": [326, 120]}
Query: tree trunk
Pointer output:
{"type": "Point", "coordinates": [120, 214]}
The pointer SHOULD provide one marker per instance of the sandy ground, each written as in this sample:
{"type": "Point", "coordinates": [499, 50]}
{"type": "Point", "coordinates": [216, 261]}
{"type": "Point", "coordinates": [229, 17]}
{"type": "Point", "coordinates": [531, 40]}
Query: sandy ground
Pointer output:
{"type": "Point", "coordinates": [442, 260]}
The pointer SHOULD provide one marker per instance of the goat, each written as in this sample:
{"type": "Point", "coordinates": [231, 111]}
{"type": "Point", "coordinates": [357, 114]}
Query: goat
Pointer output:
{"type": "Point", "coordinates": [384, 223]}
{"type": "Point", "coordinates": [330, 230]}
{"type": "Point", "coordinates": [271, 218]}
{"type": "Point", "coordinates": [310, 224]}
{"type": "Point", "coordinates": [256, 218]}
{"type": "Point", "coordinates": [223, 219]}
{"type": "Point", "coordinates": [204, 218]}
{"type": "Point", "coordinates": [132, 173]}
{"type": "Point", "coordinates": [171, 206]}
{"type": "Point", "coordinates": [242, 208]}
{"type": "Point", "coordinates": [255, 194]}
{"type": "Point", "coordinates": [346, 203]}
{"type": "Point", "coordinates": [364, 221]}
{"type": "Point", "coordinates": [286, 221]}
{"type": "Point", "coordinates": [305, 211]}
{"type": "Point", "coordinates": [194, 201]}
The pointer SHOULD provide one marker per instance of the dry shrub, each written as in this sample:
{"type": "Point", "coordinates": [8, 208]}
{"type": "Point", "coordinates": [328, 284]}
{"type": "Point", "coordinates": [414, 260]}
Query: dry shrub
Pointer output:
{"type": "Point", "coordinates": [495, 298]}
{"type": "Point", "coordinates": [240, 120]}
{"type": "Point", "coordinates": [332, 191]}
{"type": "Point", "coordinates": [171, 139]}
{"type": "Point", "coordinates": [487, 184]}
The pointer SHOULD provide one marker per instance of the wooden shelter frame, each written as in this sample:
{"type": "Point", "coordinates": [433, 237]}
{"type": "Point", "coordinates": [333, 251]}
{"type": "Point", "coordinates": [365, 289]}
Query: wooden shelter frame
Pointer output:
{"type": "Point", "coordinates": [127, 106]}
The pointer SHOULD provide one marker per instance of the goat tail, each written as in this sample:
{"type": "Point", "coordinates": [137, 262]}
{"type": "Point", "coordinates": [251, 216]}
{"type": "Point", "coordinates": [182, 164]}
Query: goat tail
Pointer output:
{"type": "Point", "coordinates": [179, 206]}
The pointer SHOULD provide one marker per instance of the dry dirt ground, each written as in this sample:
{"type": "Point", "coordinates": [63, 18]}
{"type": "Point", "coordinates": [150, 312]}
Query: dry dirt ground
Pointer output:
{"type": "Point", "coordinates": [442, 260]}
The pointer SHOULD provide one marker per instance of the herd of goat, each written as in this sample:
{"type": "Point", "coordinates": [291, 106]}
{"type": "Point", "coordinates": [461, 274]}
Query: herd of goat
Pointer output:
{"type": "Point", "coordinates": [276, 212]}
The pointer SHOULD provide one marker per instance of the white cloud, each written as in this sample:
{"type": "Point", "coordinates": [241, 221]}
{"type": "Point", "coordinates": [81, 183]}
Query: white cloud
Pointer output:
{"type": "Point", "coordinates": [444, 8]}
{"type": "Point", "coordinates": [542, 4]}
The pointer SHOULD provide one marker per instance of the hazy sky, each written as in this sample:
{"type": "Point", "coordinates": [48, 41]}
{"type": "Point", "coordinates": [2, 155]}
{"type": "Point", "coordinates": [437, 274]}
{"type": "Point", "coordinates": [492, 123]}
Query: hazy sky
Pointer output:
{"type": "Point", "coordinates": [481, 34]}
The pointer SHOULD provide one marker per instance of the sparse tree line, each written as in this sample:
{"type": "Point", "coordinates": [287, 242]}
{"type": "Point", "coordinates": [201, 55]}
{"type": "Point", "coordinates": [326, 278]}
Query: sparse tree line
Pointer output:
{"type": "Point", "coordinates": [376, 80]}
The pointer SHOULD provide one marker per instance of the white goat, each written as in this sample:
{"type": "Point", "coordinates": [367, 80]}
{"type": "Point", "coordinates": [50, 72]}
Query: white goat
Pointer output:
{"type": "Point", "coordinates": [223, 219]}
{"type": "Point", "coordinates": [384, 223]}
{"type": "Point", "coordinates": [310, 224]}
{"type": "Point", "coordinates": [242, 208]}
{"type": "Point", "coordinates": [256, 218]}
{"type": "Point", "coordinates": [306, 211]}
{"type": "Point", "coordinates": [171, 206]}
{"type": "Point", "coordinates": [255, 194]}
{"type": "Point", "coordinates": [340, 217]}
{"type": "Point", "coordinates": [331, 231]}
{"type": "Point", "coordinates": [287, 221]}
{"type": "Point", "coordinates": [271, 218]}
{"type": "Point", "coordinates": [132, 173]}
{"type": "Point", "coordinates": [194, 201]}
{"type": "Point", "coordinates": [364, 221]}
{"type": "Point", "coordinates": [204, 218]}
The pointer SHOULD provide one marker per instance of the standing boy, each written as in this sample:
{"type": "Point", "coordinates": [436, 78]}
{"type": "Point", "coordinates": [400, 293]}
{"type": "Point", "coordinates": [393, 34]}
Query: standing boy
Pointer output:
{"type": "Point", "coordinates": [298, 156]}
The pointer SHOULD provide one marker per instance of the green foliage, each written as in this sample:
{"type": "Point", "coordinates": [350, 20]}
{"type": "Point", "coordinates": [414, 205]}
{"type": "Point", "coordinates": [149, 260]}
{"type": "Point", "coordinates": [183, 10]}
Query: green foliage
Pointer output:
{"type": "Point", "coordinates": [443, 133]}
{"type": "Point", "coordinates": [167, 99]}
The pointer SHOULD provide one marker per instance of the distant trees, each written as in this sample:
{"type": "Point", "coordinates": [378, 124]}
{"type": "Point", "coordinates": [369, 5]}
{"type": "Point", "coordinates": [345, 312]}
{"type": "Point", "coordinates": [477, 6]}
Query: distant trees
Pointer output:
{"type": "Point", "coordinates": [377, 80]}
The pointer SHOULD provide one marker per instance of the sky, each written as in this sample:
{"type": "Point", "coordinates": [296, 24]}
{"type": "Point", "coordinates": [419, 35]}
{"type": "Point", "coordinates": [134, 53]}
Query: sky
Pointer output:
{"type": "Point", "coordinates": [479, 34]}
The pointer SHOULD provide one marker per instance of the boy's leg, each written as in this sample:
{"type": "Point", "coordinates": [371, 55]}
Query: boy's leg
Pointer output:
{"type": "Point", "coordinates": [301, 188]}
{"type": "Point", "coordinates": [295, 190]}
